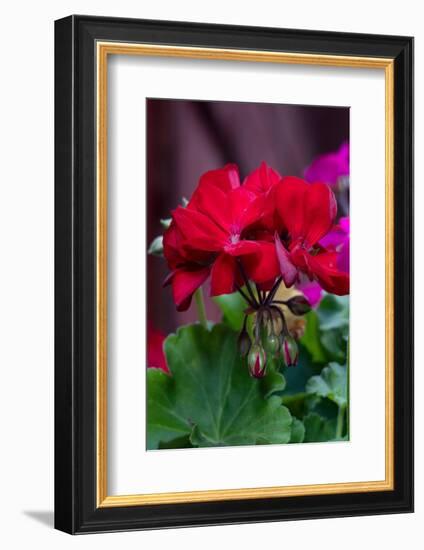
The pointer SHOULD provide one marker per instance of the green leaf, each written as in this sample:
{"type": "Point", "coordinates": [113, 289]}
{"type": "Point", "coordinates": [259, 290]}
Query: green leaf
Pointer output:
{"type": "Point", "coordinates": [178, 443]}
{"type": "Point", "coordinates": [311, 339]}
{"type": "Point", "coordinates": [318, 429]}
{"type": "Point", "coordinates": [333, 312]}
{"type": "Point", "coordinates": [232, 307]}
{"type": "Point", "coordinates": [331, 383]}
{"type": "Point", "coordinates": [273, 382]}
{"type": "Point", "coordinates": [156, 246]}
{"type": "Point", "coordinates": [296, 403]}
{"type": "Point", "coordinates": [335, 345]}
{"type": "Point", "coordinates": [298, 376]}
{"type": "Point", "coordinates": [297, 431]}
{"type": "Point", "coordinates": [210, 396]}
{"type": "Point", "coordinates": [300, 404]}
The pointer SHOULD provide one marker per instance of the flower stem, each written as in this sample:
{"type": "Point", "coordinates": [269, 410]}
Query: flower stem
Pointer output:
{"type": "Point", "coordinates": [248, 300]}
{"type": "Point", "coordinates": [200, 305]}
{"type": "Point", "coordinates": [285, 329]}
{"type": "Point", "coordinates": [269, 299]}
{"type": "Point", "coordinates": [246, 281]}
{"type": "Point", "coordinates": [340, 421]}
{"type": "Point", "coordinates": [259, 293]}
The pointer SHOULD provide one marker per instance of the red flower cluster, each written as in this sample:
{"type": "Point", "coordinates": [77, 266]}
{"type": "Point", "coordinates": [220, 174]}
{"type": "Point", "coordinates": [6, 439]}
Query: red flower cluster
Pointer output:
{"type": "Point", "coordinates": [268, 227]}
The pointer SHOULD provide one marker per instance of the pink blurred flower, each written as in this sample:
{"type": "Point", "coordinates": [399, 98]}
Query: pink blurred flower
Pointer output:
{"type": "Point", "coordinates": [338, 240]}
{"type": "Point", "coordinates": [329, 168]}
{"type": "Point", "coordinates": [155, 354]}
{"type": "Point", "coordinates": [311, 290]}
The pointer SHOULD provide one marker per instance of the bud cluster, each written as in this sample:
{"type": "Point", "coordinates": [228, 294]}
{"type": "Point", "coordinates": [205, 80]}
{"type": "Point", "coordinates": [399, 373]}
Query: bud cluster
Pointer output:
{"type": "Point", "coordinates": [271, 338]}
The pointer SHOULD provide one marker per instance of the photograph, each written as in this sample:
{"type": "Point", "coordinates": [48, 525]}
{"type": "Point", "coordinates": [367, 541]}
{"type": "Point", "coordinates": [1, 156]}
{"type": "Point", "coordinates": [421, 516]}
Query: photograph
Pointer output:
{"type": "Point", "coordinates": [247, 273]}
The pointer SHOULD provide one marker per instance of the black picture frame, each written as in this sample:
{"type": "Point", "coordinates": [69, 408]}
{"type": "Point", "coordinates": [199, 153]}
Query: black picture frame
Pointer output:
{"type": "Point", "coordinates": [76, 510]}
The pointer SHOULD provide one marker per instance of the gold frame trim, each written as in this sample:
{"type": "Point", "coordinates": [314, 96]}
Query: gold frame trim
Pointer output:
{"type": "Point", "coordinates": [103, 50]}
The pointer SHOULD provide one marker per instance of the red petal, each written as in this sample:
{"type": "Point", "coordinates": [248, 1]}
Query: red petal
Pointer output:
{"type": "Point", "coordinates": [210, 199]}
{"type": "Point", "coordinates": [262, 267]}
{"type": "Point", "coordinates": [262, 179]}
{"type": "Point", "coordinates": [270, 219]}
{"type": "Point", "coordinates": [267, 285]}
{"type": "Point", "coordinates": [290, 200]}
{"type": "Point", "coordinates": [306, 210]}
{"type": "Point", "coordinates": [155, 355]}
{"type": "Point", "coordinates": [241, 248]}
{"type": "Point", "coordinates": [320, 211]}
{"type": "Point", "coordinates": [198, 231]}
{"type": "Point", "coordinates": [323, 267]}
{"type": "Point", "coordinates": [245, 208]}
{"type": "Point", "coordinates": [170, 246]}
{"type": "Point", "coordinates": [287, 268]}
{"type": "Point", "coordinates": [224, 179]}
{"type": "Point", "coordinates": [174, 252]}
{"type": "Point", "coordinates": [184, 283]}
{"type": "Point", "coordinates": [223, 275]}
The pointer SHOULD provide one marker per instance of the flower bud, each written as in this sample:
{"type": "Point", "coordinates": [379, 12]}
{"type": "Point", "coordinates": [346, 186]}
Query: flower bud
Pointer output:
{"type": "Point", "coordinates": [298, 305]}
{"type": "Point", "coordinates": [156, 246]}
{"type": "Point", "coordinates": [290, 351]}
{"type": "Point", "coordinates": [244, 343]}
{"type": "Point", "coordinates": [256, 361]}
{"type": "Point", "coordinates": [272, 344]}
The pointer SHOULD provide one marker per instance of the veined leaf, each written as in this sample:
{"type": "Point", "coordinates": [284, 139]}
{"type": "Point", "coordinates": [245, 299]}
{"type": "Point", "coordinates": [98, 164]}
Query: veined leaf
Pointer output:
{"type": "Point", "coordinates": [318, 429]}
{"type": "Point", "coordinates": [232, 307]}
{"type": "Point", "coordinates": [297, 431]}
{"type": "Point", "coordinates": [333, 312]}
{"type": "Point", "coordinates": [311, 339]}
{"type": "Point", "coordinates": [331, 383]}
{"type": "Point", "coordinates": [210, 396]}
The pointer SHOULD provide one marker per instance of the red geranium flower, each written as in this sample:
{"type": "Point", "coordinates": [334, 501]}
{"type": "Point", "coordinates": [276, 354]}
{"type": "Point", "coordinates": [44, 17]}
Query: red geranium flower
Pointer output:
{"type": "Point", "coordinates": [267, 228]}
{"type": "Point", "coordinates": [263, 181]}
{"type": "Point", "coordinates": [155, 354]}
{"type": "Point", "coordinates": [212, 232]}
{"type": "Point", "coordinates": [307, 211]}
{"type": "Point", "coordinates": [188, 273]}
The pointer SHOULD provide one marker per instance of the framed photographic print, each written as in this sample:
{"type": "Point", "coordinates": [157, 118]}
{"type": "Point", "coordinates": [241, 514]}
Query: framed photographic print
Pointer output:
{"type": "Point", "coordinates": [234, 287]}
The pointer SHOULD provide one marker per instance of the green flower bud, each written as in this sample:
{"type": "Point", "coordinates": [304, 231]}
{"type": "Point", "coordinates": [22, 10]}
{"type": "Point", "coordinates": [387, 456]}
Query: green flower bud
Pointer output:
{"type": "Point", "coordinates": [244, 343]}
{"type": "Point", "coordinates": [298, 305]}
{"type": "Point", "coordinates": [272, 344]}
{"type": "Point", "coordinates": [290, 351]}
{"type": "Point", "coordinates": [156, 246]}
{"type": "Point", "coordinates": [256, 361]}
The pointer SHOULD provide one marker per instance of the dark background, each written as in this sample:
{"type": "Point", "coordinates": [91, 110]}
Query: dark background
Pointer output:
{"type": "Point", "coordinates": [187, 138]}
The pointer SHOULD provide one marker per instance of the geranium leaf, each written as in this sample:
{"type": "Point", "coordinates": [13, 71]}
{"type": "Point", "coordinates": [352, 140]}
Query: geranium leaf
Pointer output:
{"type": "Point", "coordinates": [331, 383]}
{"type": "Point", "coordinates": [298, 376]}
{"type": "Point", "coordinates": [178, 443]}
{"type": "Point", "coordinates": [335, 345]}
{"type": "Point", "coordinates": [333, 312]}
{"type": "Point", "coordinates": [318, 429]}
{"type": "Point", "coordinates": [232, 307]}
{"type": "Point", "coordinates": [297, 431]}
{"type": "Point", "coordinates": [273, 382]}
{"type": "Point", "coordinates": [327, 330]}
{"type": "Point", "coordinates": [210, 396]}
{"type": "Point", "coordinates": [311, 339]}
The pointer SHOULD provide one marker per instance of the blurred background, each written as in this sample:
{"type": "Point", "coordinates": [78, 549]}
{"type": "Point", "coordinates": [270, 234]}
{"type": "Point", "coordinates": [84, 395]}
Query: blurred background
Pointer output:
{"type": "Point", "coordinates": [187, 138]}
